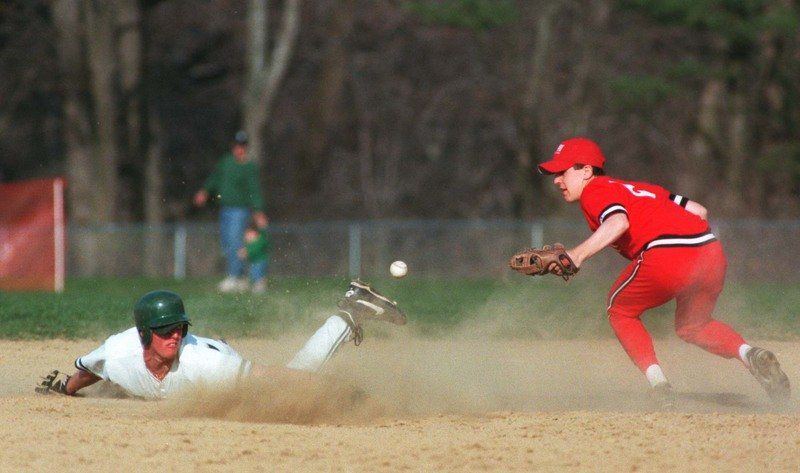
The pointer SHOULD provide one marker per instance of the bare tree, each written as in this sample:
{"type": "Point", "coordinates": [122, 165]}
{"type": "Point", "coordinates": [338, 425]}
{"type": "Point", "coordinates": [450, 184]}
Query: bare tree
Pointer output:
{"type": "Point", "coordinates": [143, 129]}
{"type": "Point", "coordinates": [100, 52]}
{"type": "Point", "coordinates": [77, 127]}
{"type": "Point", "coordinates": [266, 67]}
{"type": "Point", "coordinates": [129, 26]}
{"type": "Point", "coordinates": [100, 28]}
{"type": "Point", "coordinates": [78, 136]}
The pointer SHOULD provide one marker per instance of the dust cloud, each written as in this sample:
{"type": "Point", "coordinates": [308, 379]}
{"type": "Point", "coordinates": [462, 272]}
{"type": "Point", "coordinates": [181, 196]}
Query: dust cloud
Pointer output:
{"type": "Point", "coordinates": [469, 373]}
{"type": "Point", "coordinates": [280, 399]}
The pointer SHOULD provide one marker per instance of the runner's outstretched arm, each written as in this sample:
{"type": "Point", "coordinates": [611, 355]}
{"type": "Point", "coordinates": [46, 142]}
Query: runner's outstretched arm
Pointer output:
{"type": "Point", "coordinates": [80, 380]}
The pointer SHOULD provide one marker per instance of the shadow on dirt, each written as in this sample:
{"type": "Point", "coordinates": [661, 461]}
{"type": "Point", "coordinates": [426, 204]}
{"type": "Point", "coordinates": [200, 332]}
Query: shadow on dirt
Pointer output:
{"type": "Point", "coordinates": [732, 400]}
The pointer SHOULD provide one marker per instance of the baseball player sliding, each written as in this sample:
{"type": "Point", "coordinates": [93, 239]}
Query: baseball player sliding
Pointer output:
{"type": "Point", "coordinates": [159, 358]}
{"type": "Point", "coordinates": [673, 255]}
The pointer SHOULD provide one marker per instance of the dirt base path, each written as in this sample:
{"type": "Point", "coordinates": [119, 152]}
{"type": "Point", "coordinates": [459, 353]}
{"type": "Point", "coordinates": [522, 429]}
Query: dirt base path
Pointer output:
{"type": "Point", "coordinates": [434, 405]}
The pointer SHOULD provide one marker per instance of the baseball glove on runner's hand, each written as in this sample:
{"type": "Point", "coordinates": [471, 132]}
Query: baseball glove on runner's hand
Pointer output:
{"type": "Point", "coordinates": [535, 261]}
{"type": "Point", "coordinates": [54, 382]}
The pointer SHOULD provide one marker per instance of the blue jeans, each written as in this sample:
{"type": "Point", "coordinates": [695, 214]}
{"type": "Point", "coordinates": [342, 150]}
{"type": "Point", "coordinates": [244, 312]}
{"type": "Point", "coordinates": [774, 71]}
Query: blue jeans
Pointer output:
{"type": "Point", "coordinates": [258, 270]}
{"type": "Point", "coordinates": [232, 223]}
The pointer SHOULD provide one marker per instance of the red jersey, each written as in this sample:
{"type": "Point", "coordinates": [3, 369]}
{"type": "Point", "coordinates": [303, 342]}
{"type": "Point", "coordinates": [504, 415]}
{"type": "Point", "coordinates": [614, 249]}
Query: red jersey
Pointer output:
{"type": "Point", "coordinates": [656, 217]}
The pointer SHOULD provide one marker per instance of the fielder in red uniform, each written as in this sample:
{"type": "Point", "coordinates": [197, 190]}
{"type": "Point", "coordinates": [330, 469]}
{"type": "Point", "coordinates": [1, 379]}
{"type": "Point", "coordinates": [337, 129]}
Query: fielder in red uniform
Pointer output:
{"type": "Point", "coordinates": [674, 255]}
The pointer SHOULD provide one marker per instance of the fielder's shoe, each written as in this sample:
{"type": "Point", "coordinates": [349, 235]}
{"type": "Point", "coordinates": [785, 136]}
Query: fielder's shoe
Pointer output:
{"type": "Point", "coordinates": [229, 284]}
{"type": "Point", "coordinates": [765, 368]}
{"type": "Point", "coordinates": [362, 302]}
{"type": "Point", "coordinates": [663, 396]}
{"type": "Point", "coordinates": [242, 285]}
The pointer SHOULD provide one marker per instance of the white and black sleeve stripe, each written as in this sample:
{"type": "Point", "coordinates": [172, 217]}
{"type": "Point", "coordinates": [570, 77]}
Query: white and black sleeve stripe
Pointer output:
{"type": "Point", "coordinates": [611, 210]}
{"type": "Point", "coordinates": [79, 365]}
{"type": "Point", "coordinates": [679, 199]}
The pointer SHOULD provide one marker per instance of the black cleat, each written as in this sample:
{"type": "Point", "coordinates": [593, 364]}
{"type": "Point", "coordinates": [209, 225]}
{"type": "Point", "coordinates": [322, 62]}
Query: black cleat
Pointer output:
{"type": "Point", "coordinates": [765, 368]}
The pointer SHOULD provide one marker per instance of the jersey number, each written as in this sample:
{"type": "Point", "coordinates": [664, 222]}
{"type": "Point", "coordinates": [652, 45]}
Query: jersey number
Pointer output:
{"type": "Point", "coordinates": [638, 193]}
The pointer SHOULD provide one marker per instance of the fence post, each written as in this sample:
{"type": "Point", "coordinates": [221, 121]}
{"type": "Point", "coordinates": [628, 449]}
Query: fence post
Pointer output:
{"type": "Point", "coordinates": [537, 235]}
{"type": "Point", "coordinates": [354, 253]}
{"type": "Point", "coordinates": [180, 252]}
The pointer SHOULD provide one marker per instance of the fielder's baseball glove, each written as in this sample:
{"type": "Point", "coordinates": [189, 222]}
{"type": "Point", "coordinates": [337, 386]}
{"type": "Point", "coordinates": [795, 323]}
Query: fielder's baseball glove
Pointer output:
{"type": "Point", "coordinates": [534, 261]}
{"type": "Point", "coordinates": [54, 382]}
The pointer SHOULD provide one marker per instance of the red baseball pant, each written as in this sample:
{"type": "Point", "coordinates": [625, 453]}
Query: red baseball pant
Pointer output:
{"type": "Point", "coordinates": [694, 276]}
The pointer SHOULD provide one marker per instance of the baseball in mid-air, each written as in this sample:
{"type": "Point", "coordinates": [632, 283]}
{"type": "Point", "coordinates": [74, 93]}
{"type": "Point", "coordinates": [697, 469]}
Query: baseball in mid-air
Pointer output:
{"type": "Point", "coordinates": [398, 269]}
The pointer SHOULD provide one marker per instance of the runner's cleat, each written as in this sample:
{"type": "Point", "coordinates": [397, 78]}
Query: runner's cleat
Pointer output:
{"type": "Point", "coordinates": [363, 302]}
{"type": "Point", "coordinates": [765, 368]}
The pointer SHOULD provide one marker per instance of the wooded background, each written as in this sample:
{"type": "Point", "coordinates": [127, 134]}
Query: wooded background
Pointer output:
{"type": "Point", "coordinates": [365, 109]}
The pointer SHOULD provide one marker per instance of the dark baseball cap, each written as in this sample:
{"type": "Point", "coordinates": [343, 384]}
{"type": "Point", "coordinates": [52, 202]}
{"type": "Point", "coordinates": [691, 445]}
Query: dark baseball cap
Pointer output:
{"type": "Point", "coordinates": [571, 152]}
{"type": "Point", "coordinates": [240, 138]}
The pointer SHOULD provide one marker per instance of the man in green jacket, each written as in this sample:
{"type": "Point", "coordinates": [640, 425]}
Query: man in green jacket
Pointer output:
{"type": "Point", "coordinates": [234, 183]}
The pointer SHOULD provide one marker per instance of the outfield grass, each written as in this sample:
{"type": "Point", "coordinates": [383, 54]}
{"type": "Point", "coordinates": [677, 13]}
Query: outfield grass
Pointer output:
{"type": "Point", "coordinates": [544, 308]}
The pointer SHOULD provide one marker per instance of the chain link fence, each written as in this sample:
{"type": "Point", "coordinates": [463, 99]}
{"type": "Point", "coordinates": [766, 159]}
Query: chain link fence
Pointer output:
{"type": "Point", "coordinates": [756, 249]}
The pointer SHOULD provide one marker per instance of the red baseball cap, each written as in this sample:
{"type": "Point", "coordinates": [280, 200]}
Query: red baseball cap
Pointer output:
{"type": "Point", "coordinates": [571, 152]}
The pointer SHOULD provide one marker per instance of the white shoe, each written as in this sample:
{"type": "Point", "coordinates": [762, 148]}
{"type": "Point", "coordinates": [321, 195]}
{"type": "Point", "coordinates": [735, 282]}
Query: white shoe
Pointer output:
{"type": "Point", "coordinates": [229, 284]}
{"type": "Point", "coordinates": [242, 285]}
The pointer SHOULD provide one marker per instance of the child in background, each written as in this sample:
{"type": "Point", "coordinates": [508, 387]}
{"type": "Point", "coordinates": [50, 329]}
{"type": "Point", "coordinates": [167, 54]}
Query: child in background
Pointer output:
{"type": "Point", "coordinates": [256, 251]}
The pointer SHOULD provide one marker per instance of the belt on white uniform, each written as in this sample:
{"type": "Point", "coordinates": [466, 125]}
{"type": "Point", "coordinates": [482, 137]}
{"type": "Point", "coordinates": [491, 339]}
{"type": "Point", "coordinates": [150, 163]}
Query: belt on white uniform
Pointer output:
{"type": "Point", "coordinates": [681, 240]}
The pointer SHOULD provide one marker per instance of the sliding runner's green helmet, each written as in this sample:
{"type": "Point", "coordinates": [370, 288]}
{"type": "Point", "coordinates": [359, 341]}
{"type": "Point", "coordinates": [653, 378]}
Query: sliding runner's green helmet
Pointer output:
{"type": "Point", "coordinates": [158, 309]}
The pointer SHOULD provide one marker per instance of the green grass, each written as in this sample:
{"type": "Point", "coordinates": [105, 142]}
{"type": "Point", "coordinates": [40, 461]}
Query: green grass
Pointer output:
{"type": "Point", "coordinates": [517, 307]}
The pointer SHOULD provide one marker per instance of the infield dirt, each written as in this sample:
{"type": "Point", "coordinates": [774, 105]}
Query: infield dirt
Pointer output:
{"type": "Point", "coordinates": [461, 403]}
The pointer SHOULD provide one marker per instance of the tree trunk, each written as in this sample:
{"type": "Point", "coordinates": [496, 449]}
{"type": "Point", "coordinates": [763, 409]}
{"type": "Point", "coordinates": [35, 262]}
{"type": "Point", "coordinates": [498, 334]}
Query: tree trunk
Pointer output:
{"type": "Point", "coordinates": [365, 146]}
{"type": "Point", "coordinates": [156, 241]}
{"type": "Point", "coordinates": [129, 20]}
{"type": "Point", "coordinates": [738, 150]}
{"type": "Point", "coordinates": [151, 145]}
{"type": "Point", "coordinates": [528, 116]}
{"type": "Point", "coordinates": [76, 123]}
{"type": "Point", "coordinates": [77, 133]}
{"type": "Point", "coordinates": [92, 131]}
{"type": "Point", "coordinates": [265, 69]}
{"type": "Point", "coordinates": [324, 105]}
{"type": "Point", "coordinates": [696, 173]}
{"type": "Point", "coordinates": [587, 75]}
{"type": "Point", "coordinates": [129, 51]}
{"type": "Point", "coordinates": [101, 41]}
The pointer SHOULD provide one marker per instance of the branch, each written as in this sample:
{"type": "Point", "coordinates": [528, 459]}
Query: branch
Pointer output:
{"type": "Point", "coordinates": [267, 80]}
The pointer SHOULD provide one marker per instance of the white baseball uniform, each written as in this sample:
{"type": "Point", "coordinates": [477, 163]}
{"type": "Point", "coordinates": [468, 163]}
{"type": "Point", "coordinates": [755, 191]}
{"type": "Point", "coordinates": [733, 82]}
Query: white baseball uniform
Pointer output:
{"type": "Point", "coordinates": [201, 361]}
